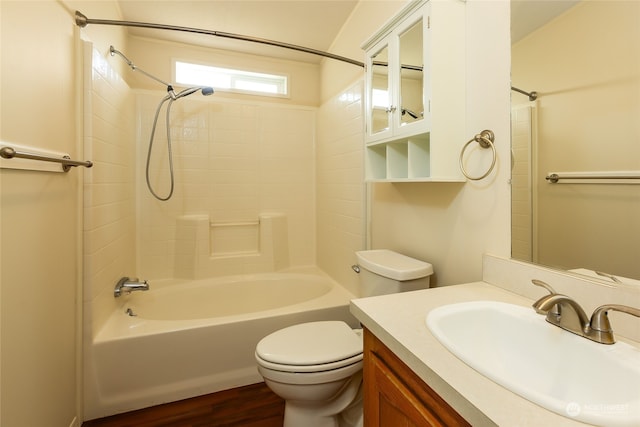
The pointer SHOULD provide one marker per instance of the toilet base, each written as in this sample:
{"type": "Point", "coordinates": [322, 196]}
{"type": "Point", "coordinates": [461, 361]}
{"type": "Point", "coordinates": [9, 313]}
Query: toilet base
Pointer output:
{"type": "Point", "coordinates": [344, 411]}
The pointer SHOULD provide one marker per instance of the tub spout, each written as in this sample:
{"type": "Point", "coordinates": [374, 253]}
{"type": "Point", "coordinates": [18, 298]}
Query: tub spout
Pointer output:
{"type": "Point", "coordinates": [126, 285]}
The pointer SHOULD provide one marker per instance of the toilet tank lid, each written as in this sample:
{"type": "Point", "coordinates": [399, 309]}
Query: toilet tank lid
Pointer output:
{"type": "Point", "coordinates": [393, 265]}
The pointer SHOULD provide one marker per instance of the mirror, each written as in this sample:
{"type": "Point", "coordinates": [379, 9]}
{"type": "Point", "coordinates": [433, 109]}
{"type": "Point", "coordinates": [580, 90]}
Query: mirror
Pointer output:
{"type": "Point", "coordinates": [380, 101]}
{"type": "Point", "coordinates": [583, 60]}
{"type": "Point", "coordinates": [411, 81]}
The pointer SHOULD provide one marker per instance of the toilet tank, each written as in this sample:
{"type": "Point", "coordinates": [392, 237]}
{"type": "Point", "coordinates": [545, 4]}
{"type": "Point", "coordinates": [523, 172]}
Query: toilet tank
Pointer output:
{"type": "Point", "coordinates": [387, 272]}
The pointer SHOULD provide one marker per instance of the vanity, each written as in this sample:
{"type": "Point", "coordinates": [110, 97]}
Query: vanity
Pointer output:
{"type": "Point", "coordinates": [410, 376]}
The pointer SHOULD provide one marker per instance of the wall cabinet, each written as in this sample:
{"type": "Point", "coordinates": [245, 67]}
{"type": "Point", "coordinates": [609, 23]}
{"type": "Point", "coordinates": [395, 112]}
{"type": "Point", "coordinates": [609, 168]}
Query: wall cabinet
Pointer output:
{"type": "Point", "coordinates": [415, 97]}
{"type": "Point", "coordinates": [395, 396]}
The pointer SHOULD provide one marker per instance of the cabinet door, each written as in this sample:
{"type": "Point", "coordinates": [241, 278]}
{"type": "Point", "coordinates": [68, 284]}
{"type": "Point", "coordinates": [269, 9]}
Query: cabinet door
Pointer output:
{"type": "Point", "coordinates": [380, 96]}
{"type": "Point", "coordinates": [395, 396]}
{"type": "Point", "coordinates": [395, 82]}
{"type": "Point", "coordinates": [410, 115]}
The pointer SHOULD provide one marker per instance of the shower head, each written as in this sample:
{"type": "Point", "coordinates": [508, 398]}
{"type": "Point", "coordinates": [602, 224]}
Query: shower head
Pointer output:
{"type": "Point", "coordinates": [206, 91]}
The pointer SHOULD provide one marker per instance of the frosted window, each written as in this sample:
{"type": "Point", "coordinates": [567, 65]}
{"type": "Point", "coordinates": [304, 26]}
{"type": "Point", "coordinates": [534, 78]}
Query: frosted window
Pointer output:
{"type": "Point", "coordinates": [231, 80]}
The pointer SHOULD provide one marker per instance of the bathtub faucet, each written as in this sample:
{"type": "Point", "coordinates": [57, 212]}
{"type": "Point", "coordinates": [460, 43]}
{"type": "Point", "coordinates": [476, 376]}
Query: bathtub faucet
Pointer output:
{"type": "Point", "coordinates": [126, 285]}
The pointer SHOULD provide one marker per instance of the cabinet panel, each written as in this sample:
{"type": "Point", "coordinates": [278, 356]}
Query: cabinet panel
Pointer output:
{"type": "Point", "coordinates": [395, 396]}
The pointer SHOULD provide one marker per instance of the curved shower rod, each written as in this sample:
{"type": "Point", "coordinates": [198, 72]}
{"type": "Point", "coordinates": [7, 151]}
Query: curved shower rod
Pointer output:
{"type": "Point", "coordinates": [83, 21]}
{"type": "Point", "coordinates": [532, 95]}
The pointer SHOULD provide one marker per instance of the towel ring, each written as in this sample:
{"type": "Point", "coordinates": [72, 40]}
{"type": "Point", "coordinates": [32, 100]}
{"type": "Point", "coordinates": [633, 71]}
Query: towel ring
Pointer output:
{"type": "Point", "coordinates": [485, 139]}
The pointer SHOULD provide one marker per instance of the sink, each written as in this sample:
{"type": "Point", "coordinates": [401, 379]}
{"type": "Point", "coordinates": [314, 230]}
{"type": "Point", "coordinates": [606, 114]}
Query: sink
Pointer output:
{"type": "Point", "coordinates": [562, 372]}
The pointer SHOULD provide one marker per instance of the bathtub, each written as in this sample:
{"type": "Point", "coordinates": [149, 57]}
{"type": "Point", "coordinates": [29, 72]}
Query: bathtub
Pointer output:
{"type": "Point", "coordinates": [189, 338]}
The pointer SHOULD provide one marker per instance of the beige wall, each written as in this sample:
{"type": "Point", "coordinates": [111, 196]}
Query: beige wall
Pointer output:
{"type": "Point", "coordinates": [588, 113]}
{"type": "Point", "coordinates": [41, 212]}
{"type": "Point", "coordinates": [39, 219]}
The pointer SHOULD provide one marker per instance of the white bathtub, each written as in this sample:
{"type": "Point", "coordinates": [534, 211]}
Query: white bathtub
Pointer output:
{"type": "Point", "coordinates": [195, 337]}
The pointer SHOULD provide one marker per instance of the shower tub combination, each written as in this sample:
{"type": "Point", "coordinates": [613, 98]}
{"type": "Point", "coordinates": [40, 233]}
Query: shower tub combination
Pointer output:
{"type": "Point", "coordinates": [189, 338]}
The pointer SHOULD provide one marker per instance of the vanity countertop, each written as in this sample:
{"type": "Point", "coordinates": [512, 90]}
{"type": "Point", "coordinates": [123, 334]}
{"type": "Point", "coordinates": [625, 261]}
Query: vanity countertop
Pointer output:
{"type": "Point", "coordinates": [398, 320]}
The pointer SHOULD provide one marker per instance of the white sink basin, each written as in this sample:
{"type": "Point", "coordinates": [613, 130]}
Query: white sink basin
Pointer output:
{"type": "Point", "coordinates": [562, 372]}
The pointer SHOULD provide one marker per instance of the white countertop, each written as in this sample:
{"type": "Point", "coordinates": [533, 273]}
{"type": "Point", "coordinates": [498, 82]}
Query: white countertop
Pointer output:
{"type": "Point", "coordinates": [398, 320]}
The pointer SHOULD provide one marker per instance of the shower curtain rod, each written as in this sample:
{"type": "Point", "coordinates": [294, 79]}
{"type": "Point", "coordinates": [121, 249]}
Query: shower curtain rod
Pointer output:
{"type": "Point", "coordinates": [532, 95]}
{"type": "Point", "coordinates": [83, 21]}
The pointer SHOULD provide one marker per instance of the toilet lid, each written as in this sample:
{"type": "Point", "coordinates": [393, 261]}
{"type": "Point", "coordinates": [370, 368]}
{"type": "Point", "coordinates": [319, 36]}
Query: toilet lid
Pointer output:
{"type": "Point", "coordinates": [307, 344]}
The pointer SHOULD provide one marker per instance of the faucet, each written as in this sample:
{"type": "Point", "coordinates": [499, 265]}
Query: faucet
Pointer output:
{"type": "Point", "coordinates": [566, 313]}
{"type": "Point", "coordinates": [600, 325]}
{"type": "Point", "coordinates": [126, 285]}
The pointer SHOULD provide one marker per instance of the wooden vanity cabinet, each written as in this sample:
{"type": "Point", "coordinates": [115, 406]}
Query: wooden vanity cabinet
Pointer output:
{"type": "Point", "coordinates": [394, 396]}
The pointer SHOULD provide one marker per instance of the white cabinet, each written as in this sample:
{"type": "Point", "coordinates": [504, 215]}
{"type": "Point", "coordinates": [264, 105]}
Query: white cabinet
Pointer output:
{"type": "Point", "coordinates": [415, 94]}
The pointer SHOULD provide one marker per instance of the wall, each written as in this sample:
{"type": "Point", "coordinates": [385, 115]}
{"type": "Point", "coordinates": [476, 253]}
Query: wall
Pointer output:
{"type": "Point", "coordinates": [109, 191]}
{"type": "Point", "coordinates": [340, 190]}
{"type": "Point", "coordinates": [42, 213]}
{"type": "Point", "coordinates": [341, 193]}
{"type": "Point", "coordinates": [522, 184]}
{"type": "Point", "coordinates": [233, 161]}
{"type": "Point", "coordinates": [449, 225]}
{"type": "Point", "coordinates": [367, 17]}
{"type": "Point", "coordinates": [588, 113]}
{"type": "Point", "coordinates": [39, 219]}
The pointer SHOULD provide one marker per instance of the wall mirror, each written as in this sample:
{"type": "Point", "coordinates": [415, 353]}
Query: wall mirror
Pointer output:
{"type": "Point", "coordinates": [380, 87]}
{"type": "Point", "coordinates": [411, 69]}
{"type": "Point", "coordinates": [583, 60]}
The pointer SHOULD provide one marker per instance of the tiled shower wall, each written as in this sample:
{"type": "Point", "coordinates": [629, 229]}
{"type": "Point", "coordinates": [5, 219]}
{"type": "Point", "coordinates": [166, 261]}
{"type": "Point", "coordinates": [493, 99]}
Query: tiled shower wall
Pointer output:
{"type": "Point", "coordinates": [340, 188]}
{"type": "Point", "coordinates": [232, 161]}
{"type": "Point", "coordinates": [109, 190]}
{"type": "Point", "coordinates": [522, 244]}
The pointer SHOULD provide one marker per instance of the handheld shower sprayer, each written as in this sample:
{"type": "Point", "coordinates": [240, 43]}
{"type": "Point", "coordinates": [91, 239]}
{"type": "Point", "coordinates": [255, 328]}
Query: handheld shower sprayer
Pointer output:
{"type": "Point", "coordinates": [171, 97]}
{"type": "Point", "coordinates": [206, 91]}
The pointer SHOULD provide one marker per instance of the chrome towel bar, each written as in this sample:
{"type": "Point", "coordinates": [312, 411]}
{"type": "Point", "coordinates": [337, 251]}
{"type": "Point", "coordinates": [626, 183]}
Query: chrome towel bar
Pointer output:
{"type": "Point", "coordinates": [614, 177]}
{"type": "Point", "coordinates": [67, 163]}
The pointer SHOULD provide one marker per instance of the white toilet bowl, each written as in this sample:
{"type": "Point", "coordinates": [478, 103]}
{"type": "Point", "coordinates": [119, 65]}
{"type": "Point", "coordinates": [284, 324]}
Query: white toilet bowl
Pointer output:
{"type": "Point", "coordinates": [317, 369]}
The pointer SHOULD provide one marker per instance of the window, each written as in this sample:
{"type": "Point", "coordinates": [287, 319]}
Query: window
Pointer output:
{"type": "Point", "coordinates": [380, 98]}
{"type": "Point", "coordinates": [227, 79]}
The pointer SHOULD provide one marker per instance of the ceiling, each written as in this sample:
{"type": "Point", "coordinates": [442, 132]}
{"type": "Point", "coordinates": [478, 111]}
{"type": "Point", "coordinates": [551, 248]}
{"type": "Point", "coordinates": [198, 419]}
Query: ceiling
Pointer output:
{"type": "Point", "coordinates": [309, 23]}
{"type": "Point", "coordinates": [529, 15]}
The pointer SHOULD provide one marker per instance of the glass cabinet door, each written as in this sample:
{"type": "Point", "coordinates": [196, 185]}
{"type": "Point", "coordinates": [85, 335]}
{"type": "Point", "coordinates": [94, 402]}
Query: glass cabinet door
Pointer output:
{"type": "Point", "coordinates": [411, 102]}
{"type": "Point", "coordinates": [380, 92]}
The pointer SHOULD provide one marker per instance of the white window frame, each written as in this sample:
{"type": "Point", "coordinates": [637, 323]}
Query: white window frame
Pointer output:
{"type": "Point", "coordinates": [235, 76]}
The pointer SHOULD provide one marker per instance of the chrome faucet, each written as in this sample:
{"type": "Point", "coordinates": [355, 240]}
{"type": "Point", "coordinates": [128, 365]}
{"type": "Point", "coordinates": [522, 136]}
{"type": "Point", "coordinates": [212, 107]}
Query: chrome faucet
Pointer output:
{"type": "Point", "coordinates": [566, 313]}
{"type": "Point", "coordinates": [600, 325]}
{"type": "Point", "coordinates": [126, 285]}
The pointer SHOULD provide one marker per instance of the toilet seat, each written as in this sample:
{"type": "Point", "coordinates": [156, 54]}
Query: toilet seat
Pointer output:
{"type": "Point", "coordinates": [309, 368]}
{"type": "Point", "coordinates": [310, 347]}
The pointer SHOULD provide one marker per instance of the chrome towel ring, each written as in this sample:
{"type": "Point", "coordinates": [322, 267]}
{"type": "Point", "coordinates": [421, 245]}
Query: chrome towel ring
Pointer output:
{"type": "Point", "coordinates": [485, 139]}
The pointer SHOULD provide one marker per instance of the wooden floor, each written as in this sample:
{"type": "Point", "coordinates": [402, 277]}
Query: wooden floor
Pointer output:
{"type": "Point", "coordinates": [250, 406]}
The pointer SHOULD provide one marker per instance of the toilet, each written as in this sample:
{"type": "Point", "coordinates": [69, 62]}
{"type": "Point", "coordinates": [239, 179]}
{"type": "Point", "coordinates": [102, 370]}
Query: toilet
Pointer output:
{"type": "Point", "coordinates": [316, 367]}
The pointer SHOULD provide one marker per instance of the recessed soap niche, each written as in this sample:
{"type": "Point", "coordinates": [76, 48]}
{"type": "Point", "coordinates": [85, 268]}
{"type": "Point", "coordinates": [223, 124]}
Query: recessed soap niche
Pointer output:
{"type": "Point", "coordinates": [234, 238]}
{"type": "Point", "coordinates": [210, 249]}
